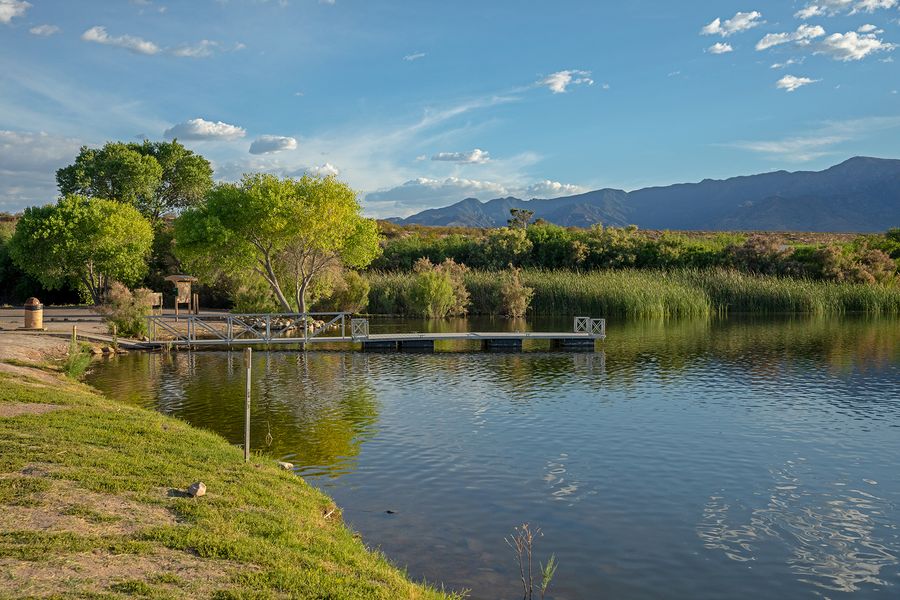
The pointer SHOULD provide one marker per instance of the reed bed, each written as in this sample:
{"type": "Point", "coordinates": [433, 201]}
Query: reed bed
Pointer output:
{"type": "Point", "coordinates": [654, 293]}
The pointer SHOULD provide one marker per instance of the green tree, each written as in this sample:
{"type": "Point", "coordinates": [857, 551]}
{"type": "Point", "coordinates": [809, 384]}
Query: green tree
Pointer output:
{"type": "Point", "coordinates": [287, 231]}
{"type": "Point", "coordinates": [84, 241]}
{"type": "Point", "coordinates": [155, 177]}
{"type": "Point", "coordinates": [520, 217]}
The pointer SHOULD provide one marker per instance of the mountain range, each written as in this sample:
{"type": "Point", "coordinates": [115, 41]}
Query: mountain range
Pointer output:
{"type": "Point", "coordinates": [861, 194]}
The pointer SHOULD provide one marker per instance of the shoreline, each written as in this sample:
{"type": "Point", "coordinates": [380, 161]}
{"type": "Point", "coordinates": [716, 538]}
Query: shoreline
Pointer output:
{"type": "Point", "coordinates": [94, 503]}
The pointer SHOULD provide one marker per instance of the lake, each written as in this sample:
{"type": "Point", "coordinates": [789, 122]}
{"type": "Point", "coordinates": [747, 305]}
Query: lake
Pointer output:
{"type": "Point", "coordinates": [739, 458]}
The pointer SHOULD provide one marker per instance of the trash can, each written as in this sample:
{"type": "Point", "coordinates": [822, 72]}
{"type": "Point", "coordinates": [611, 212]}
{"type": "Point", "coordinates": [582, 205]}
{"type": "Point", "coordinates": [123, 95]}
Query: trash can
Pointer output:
{"type": "Point", "coordinates": [34, 314]}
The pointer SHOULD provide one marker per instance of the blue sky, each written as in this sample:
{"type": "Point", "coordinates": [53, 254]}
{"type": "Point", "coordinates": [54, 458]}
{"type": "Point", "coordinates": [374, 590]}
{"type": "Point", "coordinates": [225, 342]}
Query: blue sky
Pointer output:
{"type": "Point", "coordinates": [422, 103]}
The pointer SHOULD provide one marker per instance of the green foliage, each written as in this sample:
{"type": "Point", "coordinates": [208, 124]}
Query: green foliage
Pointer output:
{"type": "Point", "coordinates": [154, 177]}
{"type": "Point", "coordinates": [546, 246]}
{"type": "Point", "coordinates": [349, 294]}
{"type": "Point", "coordinates": [654, 293]}
{"type": "Point", "coordinates": [77, 359]}
{"type": "Point", "coordinates": [127, 310]}
{"type": "Point", "coordinates": [288, 232]}
{"type": "Point", "coordinates": [507, 246]}
{"type": "Point", "coordinates": [82, 241]}
{"type": "Point", "coordinates": [431, 294]}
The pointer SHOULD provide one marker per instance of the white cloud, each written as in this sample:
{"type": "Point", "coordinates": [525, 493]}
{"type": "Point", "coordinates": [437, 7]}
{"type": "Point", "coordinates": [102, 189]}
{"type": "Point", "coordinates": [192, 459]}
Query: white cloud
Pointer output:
{"type": "Point", "coordinates": [791, 83]}
{"type": "Point", "coordinates": [28, 163]}
{"type": "Point", "coordinates": [868, 28]}
{"type": "Point", "coordinates": [833, 7]}
{"type": "Point", "coordinates": [98, 35]}
{"type": "Point", "coordinates": [810, 11]}
{"type": "Point", "coordinates": [559, 82]}
{"type": "Point", "coordinates": [201, 129]}
{"type": "Point", "coordinates": [414, 56]}
{"type": "Point", "coordinates": [476, 156]}
{"type": "Point", "coordinates": [267, 144]}
{"type": "Point", "coordinates": [801, 36]}
{"type": "Point", "coordinates": [552, 189]}
{"type": "Point", "coordinates": [720, 48]}
{"type": "Point", "coordinates": [852, 46]}
{"type": "Point", "coordinates": [325, 170]}
{"type": "Point", "coordinates": [202, 49]}
{"type": "Point", "coordinates": [871, 6]}
{"type": "Point", "coordinates": [44, 30]}
{"type": "Point", "coordinates": [741, 21]}
{"type": "Point", "coordinates": [789, 62]}
{"type": "Point", "coordinates": [819, 142]}
{"type": "Point", "coordinates": [426, 192]}
{"type": "Point", "coordinates": [9, 9]}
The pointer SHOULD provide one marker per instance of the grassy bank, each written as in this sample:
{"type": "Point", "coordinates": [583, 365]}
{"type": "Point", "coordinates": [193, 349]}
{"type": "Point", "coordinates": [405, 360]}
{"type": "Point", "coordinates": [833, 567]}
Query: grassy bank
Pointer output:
{"type": "Point", "coordinates": [654, 294]}
{"type": "Point", "coordinates": [92, 507]}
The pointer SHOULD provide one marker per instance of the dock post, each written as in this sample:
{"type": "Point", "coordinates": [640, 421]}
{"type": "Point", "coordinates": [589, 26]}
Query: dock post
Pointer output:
{"type": "Point", "coordinates": [247, 362]}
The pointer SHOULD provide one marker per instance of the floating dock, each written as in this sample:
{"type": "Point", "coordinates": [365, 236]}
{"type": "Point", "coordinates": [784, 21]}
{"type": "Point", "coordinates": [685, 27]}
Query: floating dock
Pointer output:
{"type": "Point", "coordinates": [302, 330]}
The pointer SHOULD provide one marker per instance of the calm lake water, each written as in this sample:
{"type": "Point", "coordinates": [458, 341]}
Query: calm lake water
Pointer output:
{"type": "Point", "coordinates": [712, 459]}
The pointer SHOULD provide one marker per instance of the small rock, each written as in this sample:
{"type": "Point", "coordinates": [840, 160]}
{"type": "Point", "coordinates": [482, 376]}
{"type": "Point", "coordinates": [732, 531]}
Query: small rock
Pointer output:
{"type": "Point", "coordinates": [96, 351]}
{"type": "Point", "coordinates": [108, 350]}
{"type": "Point", "coordinates": [286, 466]}
{"type": "Point", "coordinates": [197, 489]}
{"type": "Point", "coordinates": [391, 512]}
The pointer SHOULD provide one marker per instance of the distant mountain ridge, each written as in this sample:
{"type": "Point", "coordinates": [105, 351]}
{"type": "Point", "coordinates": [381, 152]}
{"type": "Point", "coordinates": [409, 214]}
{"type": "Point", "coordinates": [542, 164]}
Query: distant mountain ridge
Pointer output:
{"type": "Point", "coordinates": [860, 194]}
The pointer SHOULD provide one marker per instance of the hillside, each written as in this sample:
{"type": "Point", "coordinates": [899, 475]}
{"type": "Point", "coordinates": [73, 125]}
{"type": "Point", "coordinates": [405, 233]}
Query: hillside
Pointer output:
{"type": "Point", "coordinates": [861, 194]}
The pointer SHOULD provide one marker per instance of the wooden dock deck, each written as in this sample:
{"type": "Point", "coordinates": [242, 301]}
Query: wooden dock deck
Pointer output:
{"type": "Point", "coordinates": [231, 331]}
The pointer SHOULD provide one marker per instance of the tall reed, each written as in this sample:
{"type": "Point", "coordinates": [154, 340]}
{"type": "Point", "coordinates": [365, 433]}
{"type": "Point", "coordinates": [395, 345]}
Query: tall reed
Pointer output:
{"type": "Point", "coordinates": [653, 293]}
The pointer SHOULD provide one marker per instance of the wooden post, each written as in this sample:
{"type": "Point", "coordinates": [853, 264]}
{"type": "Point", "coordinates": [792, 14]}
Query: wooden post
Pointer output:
{"type": "Point", "coordinates": [74, 334]}
{"type": "Point", "coordinates": [115, 337]}
{"type": "Point", "coordinates": [247, 362]}
{"type": "Point", "coordinates": [196, 304]}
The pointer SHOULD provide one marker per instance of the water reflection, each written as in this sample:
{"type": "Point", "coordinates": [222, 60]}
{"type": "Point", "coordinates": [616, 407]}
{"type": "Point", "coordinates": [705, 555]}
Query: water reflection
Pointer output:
{"type": "Point", "coordinates": [830, 533]}
{"type": "Point", "coordinates": [737, 458]}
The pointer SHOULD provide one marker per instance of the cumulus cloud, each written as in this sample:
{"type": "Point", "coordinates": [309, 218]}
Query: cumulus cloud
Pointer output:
{"type": "Point", "coordinates": [476, 156]}
{"type": "Point", "coordinates": [552, 189]}
{"type": "Point", "coordinates": [871, 6]}
{"type": "Point", "coordinates": [9, 9]}
{"type": "Point", "coordinates": [803, 36]}
{"type": "Point", "coordinates": [325, 170]}
{"type": "Point", "coordinates": [790, 83]}
{"type": "Point", "coordinates": [720, 48]}
{"type": "Point", "coordinates": [559, 82]}
{"type": "Point", "coordinates": [99, 35]}
{"type": "Point", "coordinates": [267, 144]}
{"type": "Point", "coordinates": [869, 28]}
{"type": "Point", "coordinates": [808, 12]}
{"type": "Point", "coordinates": [425, 192]}
{"type": "Point", "coordinates": [414, 56]}
{"type": "Point", "coordinates": [741, 21]}
{"type": "Point", "coordinates": [852, 46]}
{"type": "Point", "coordinates": [44, 30]}
{"type": "Point", "coordinates": [201, 129]}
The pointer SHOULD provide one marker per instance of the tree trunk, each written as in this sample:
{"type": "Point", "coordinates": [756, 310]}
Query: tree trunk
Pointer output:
{"type": "Point", "coordinates": [273, 283]}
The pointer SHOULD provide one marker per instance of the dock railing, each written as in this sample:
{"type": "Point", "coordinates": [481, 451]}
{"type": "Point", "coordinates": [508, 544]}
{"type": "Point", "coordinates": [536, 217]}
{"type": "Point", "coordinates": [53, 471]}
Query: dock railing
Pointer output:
{"type": "Point", "coordinates": [590, 326]}
{"type": "Point", "coordinates": [242, 327]}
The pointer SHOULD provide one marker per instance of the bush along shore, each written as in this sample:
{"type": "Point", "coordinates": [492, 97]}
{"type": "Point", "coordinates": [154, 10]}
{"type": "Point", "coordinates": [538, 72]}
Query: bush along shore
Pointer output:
{"type": "Point", "coordinates": [94, 504]}
{"type": "Point", "coordinates": [645, 293]}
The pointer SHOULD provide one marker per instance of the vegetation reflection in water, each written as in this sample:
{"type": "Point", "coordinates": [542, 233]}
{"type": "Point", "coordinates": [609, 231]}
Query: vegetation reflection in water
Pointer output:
{"type": "Point", "coordinates": [664, 464]}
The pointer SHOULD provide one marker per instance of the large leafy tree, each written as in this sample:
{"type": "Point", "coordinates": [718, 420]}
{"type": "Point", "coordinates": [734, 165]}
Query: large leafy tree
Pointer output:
{"type": "Point", "coordinates": [84, 241]}
{"type": "Point", "coordinates": [157, 178]}
{"type": "Point", "coordinates": [289, 232]}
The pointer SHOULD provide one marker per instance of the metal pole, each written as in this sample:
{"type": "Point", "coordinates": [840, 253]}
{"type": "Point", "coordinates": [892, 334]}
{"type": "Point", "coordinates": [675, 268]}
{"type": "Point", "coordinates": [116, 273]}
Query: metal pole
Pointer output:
{"type": "Point", "coordinates": [247, 362]}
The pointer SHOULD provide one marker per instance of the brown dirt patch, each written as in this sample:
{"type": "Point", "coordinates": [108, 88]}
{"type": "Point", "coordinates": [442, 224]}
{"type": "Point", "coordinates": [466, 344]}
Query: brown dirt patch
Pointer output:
{"type": "Point", "coordinates": [65, 507]}
{"type": "Point", "coordinates": [94, 572]}
{"type": "Point", "coordinates": [15, 409]}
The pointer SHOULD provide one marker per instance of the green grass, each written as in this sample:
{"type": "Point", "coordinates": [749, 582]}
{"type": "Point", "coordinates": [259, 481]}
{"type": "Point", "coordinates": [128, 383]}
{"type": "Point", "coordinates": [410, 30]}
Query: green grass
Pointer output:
{"type": "Point", "coordinates": [268, 524]}
{"type": "Point", "coordinates": [654, 294]}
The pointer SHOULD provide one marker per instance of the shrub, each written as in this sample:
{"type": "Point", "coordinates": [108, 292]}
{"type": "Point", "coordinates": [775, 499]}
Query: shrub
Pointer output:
{"type": "Point", "coordinates": [515, 297]}
{"type": "Point", "coordinates": [77, 359]}
{"type": "Point", "coordinates": [127, 310]}
{"type": "Point", "coordinates": [431, 294]}
{"type": "Point", "coordinates": [349, 294]}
